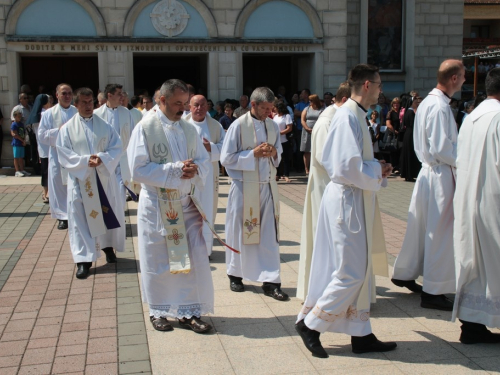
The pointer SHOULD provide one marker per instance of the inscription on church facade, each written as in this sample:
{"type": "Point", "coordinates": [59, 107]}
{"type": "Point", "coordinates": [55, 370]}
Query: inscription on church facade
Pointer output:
{"type": "Point", "coordinates": [142, 47]}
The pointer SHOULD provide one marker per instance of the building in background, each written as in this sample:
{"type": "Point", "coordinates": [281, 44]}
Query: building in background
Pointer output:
{"type": "Point", "coordinates": [223, 47]}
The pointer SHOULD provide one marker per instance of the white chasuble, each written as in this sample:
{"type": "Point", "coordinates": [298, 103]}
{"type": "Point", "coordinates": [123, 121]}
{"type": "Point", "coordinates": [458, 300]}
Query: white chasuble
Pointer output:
{"type": "Point", "coordinates": [318, 179]}
{"type": "Point", "coordinates": [257, 262]}
{"type": "Point", "coordinates": [476, 230]}
{"type": "Point", "coordinates": [427, 248]}
{"type": "Point", "coordinates": [208, 197]}
{"type": "Point", "coordinates": [340, 284]}
{"type": "Point", "coordinates": [50, 123]}
{"type": "Point", "coordinates": [75, 148]}
{"type": "Point", "coordinates": [173, 295]}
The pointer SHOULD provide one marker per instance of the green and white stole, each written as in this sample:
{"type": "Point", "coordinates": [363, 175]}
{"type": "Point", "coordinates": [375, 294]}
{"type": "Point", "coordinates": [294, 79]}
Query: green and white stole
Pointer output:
{"type": "Point", "coordinates": [169, 200]}
{"type": "Point", "coordinates": [377, 253]}
{"type": "Point", "coordinates": [124, 124]}
{"type": "Point", "coordinates": [251, 181]}
{"type": "Point", "coordinates": [88, 187]}
{"type": "Point", "coordinates": [56, 124]}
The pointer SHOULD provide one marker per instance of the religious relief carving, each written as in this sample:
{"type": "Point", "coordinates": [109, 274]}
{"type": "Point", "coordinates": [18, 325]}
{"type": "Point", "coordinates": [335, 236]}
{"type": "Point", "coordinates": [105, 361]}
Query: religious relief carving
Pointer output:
{"type": "Point", "coordinates": [169, 17]}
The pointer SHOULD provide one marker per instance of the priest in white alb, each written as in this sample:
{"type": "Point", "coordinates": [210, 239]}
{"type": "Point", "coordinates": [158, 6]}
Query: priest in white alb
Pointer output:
{"type": "Point", "coordinates": [89, 149]}
{"type": "Point", "coordinates": [50, 123]}
{"type": "Point", "coordinates": [318, 179]}
{"type": "Point", "coordinates": [251, 153]}
{"type": "Point", "coordinates": [477, 228]}
{"type": "Point", "coordinates": [121, 120]}
{"type": "Point", "coordinates": [167, 157]}
{"type": "Point", "coordinates": [427, 248]}
{"type": "Point", "coordinates": [349, 245]}
{"type": "Point", "coordinates": [212, 134]}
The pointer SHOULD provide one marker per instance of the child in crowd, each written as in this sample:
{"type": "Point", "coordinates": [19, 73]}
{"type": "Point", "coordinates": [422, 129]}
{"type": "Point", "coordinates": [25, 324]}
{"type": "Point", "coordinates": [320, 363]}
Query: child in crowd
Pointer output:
{"type": "Point", "coordinates": [17, 131]}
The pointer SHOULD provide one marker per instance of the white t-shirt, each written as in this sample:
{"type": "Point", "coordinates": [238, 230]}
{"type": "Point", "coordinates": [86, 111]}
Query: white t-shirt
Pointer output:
{"type": "Point", "coordinates": [282, 122]}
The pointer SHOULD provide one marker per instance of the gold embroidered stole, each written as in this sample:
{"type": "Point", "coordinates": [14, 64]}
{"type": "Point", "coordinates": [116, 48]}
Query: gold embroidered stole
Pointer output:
{"type": "Point", "coordinates": [251, 182]}
{"type": "Point", "coordinates": [88, 187]}
{"type": "Point", "coordinates": [377, 254]}
{"type": "Point", "coordinates": [169, 200]}
{"type": "Point", "coordinates": [124, 125]}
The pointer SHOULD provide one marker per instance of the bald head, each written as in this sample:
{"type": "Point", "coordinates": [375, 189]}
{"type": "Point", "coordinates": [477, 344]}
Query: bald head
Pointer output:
{"type": "Point", "coordinates": [448, 69]}
{"type": "Point", "coordinates": [451, 76]}
{"type": "Point", "coordinates": [198, 107]}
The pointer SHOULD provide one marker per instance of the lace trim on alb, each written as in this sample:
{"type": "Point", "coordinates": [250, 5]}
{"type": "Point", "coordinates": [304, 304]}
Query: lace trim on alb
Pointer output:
{"type": "Point", "coordinates": [481, 302]}
{"type": "Point", "coordinates": [181, 311]}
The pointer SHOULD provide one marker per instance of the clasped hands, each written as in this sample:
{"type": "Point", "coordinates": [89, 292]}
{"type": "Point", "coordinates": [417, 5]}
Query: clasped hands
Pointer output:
{"type": "Point", "coordinates": [94, 161]}
{"type": "Point", "coordinates": [189, 170]}
{"type": "Point", "coordinates": [386, 168]}
{"type": "Point", "coordinates": [264, 150]}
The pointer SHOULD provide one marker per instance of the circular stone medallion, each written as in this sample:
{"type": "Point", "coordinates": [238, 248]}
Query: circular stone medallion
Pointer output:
{"type": "Point", "coordinates": [169, 17]}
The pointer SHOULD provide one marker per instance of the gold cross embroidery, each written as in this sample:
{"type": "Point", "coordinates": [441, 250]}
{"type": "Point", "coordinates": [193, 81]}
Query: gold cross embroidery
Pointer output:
{"type": "Point", "coordinates": [94, 214]}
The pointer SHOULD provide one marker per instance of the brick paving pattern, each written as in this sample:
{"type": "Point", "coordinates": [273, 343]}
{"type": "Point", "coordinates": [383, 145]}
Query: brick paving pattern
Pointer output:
{"type": "Point", "coordinates": [53, 323]}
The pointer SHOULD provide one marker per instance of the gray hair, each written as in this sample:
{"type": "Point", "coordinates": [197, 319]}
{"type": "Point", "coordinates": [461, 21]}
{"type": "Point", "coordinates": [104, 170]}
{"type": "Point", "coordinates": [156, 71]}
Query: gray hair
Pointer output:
{"type": "Point", "coordinates": [168, 88]}
{"type": "Point", "coordinates": [124, 93]}
{"type": "Point", "coordinates": [83, 91]}
{"type": "Point", "coordinates": [262, 94]}
{"type": "Point", "coordinates": [21, 95]}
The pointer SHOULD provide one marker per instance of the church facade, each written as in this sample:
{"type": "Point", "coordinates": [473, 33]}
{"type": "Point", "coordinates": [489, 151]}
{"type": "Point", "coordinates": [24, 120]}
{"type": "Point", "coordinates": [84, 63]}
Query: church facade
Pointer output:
{"type": "Point", "coordinates": [224, 47]}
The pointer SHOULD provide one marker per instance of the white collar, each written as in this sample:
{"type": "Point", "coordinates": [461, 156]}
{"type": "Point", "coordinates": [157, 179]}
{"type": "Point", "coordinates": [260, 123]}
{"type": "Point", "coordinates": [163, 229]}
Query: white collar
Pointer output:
{"type": "Point", "coordinates": [487, 106]}
{"type": "Point", "coordinates": [165, 120]}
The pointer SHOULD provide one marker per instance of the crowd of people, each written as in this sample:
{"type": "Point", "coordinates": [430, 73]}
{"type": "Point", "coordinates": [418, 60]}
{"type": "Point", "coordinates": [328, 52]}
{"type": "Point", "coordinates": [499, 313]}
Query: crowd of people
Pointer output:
{"type": "Point", "coordinates": [96, 155]}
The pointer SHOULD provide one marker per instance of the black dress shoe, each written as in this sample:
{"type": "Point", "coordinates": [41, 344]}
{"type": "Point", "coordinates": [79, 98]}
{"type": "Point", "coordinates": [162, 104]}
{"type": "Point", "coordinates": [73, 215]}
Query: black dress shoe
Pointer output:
{"type": "Point", "coordinates": [236, 287]}
{"type": "Point", "coordinates": [195, 324]}
{"type": "Point", "coordinates": [475, 333]}
{"type": "Point", "coordinates": [236, 284]}
{"type": "Point", "coordinates": [370, 344]}
{"type": "Point", "coordinates": [436, 302]}
{"type": "Point", "coordinates": [83, 270]}
{"type": "Point", "coordinates": [274, 291]}
{"type": "Point", "coordinates": [110, 254]}
{"type": "Point", "coordinates": [310, 338]}
{"type": "Point", "coordinates": [63, 224]}
{"type": "Point", "coordinates": [410, 284]}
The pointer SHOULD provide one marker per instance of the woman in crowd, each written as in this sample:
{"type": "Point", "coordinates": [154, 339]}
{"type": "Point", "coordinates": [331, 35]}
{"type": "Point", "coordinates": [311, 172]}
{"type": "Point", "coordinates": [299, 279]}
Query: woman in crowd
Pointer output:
{"type": "Point", "coordinates": [393, 124]}
{"type": "Point", "coordinates": [309, 117]}
{"type": "Point", "coordinates": [228, 117]}
{"type": "Point", "coordinates": [42, 103]}
{"type": "Point", "coordinates": [409, 164]}
{"type": "Point", "coordinates": [375, 131]}
{"type": "Point", "coordinates": [284, 120]}
{"type": "Point", "coordinates": [211, 111]}
{"type": "Point", "coordinates": [219, 109]}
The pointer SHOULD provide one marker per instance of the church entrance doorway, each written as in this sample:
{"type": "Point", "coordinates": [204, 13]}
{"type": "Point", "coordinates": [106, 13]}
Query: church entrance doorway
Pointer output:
{"type": "Point", "coordinates": [151, 71]}
{"type": "Point", "coordinates": [293, 71]}
{"type": "Point", "coordinates": [49, 71]}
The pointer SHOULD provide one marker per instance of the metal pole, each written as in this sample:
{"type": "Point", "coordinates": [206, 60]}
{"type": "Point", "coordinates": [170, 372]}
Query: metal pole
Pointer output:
{"type": "Point", "coordinates": [475, 75]}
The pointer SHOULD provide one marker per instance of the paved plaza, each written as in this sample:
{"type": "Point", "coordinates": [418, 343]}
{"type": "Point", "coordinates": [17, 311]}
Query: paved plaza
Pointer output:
{"type": "Point", "coordinates": [53, 323]}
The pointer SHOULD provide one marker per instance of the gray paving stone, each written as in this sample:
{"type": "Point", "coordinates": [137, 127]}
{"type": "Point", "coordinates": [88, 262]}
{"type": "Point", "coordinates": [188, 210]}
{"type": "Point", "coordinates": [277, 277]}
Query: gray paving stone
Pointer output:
{"type": "Point", "coordinates": [132, 339]}
{"type": "Point", "coordinates": [134, 367]}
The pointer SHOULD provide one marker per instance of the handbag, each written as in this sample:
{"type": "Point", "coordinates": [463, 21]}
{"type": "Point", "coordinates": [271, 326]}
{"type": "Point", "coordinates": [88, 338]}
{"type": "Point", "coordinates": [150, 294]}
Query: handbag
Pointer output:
{"type": "Point", "coordinates": [389, 142]}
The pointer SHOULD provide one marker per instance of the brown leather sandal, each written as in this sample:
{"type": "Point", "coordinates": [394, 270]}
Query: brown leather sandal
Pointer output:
{"type": "Point", "coordinates": [161, 324]}
{"type": "Point", "coordinates": [195, 324]}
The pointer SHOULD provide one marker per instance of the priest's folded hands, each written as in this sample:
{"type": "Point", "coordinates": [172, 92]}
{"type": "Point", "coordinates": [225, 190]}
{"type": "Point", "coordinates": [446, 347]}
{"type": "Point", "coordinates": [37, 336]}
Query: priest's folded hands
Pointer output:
{"type": "Point", "coordinates": [386, 168]}
{"type": "Point", "coordinates": [189, 170]}
{"type": "Point", "coordinates": [264, 150]}
{"type": "Point", "coordinates": [94, 161]}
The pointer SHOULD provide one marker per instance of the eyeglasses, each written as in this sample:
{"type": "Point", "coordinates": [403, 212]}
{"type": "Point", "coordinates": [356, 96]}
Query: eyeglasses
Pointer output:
{"type": "Point", "coordinates": [380, 84]}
